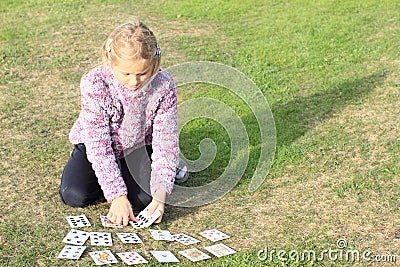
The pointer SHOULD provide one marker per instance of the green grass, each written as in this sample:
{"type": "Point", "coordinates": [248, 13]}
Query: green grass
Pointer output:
{"type": "Point", "coordinates": [330, 73]}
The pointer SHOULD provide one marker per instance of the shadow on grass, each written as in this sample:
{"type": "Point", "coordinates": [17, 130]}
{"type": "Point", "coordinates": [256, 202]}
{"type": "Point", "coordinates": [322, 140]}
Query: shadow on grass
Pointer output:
{"type": "Point", "coordinates": [292, 120]}
{"type": "Point", "coordinates": [295, 118]}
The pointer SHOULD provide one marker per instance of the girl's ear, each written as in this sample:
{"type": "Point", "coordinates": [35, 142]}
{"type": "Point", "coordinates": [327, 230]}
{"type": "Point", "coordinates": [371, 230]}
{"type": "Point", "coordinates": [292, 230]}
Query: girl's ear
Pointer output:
{"type": "Point", "coordinates": [105, 57]}
{"type": "Point", "coordinates": [108, 58]}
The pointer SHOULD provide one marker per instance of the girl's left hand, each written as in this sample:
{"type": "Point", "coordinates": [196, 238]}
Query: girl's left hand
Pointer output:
{"type": "Point", "coordinates": [158, 202]}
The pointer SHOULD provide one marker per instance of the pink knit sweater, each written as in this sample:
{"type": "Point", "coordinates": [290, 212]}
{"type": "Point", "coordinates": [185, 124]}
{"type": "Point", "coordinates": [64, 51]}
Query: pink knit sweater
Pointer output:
{"type": "Point", "coordinates": [115, 120]}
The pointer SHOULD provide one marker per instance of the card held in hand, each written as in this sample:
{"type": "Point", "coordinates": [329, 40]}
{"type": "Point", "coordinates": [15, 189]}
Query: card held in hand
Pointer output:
{"type": "Point", "coordinates": [78, 221]}
{"type": "Point", "coordinates": [103, 257]}
{"type": "Point", "coordinates": [144, 220]}
{"type": "Point", "coordinates": [71, 252]}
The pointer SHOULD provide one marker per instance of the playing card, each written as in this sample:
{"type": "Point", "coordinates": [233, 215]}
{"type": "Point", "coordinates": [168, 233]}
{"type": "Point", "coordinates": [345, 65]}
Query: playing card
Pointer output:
{"type": "Point", "coordinates": [129, 238]}
{"type": "Point", "coordinates": [107, 223]}
{"type": "Point", "coordinates": [194, 254]}
{"type": "Point", "coordinates": [164, 256]}
{"type": "Point", "coordinates": [148, 220]}
{"type": "Point", "coordinates": [220, 250]}
{"type": "Point", "coordinates": [214, 235]}
{"type": "Point", "coordinates": [144, 220]}
{"type": "Point", "coordinates": [103, 257]}
{"type": "Point", "coordinates": [164, 235]}
{"type": "Point", "coordinates": [100, 239]}
{"type": "Point", "coordinates": [71, 252]}
{"type": "Point", "coordinates": [78, 221]}
{"type": "Point", "coordinates": [185, 239]}
{"type": "Point", "coordinates": [76, 237]}
{"type": "Point", "coordinates": [131, 257]}
{"type": "Point", "coordinates": [137, 225]}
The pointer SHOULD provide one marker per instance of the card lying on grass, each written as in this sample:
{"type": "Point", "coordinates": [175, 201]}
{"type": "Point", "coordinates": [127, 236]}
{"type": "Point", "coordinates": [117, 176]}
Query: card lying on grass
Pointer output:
{"type": "Point", "coordinates": [214, 235]}
{"type": "Point", "coordinates": [78, 221]}
{"type": "Point", "coordinates": [76, 237]}
{"type": "Point", "coordinates": [107, 223]}
{"type": "Point", "coordinates": [100, 239]}
{"type": "Point", "coordinates": [129, 238]}
{"type": "Point", "coordinates": [163, 235]}
{"type": "Point", "coordinates": [220, 250]}
{"type": "Point", "coordinates": [164, 256]}
{"type": "Point", "coordinates": [194, 254]}
{"type": "Point", "coordinates": [103, 257]}
{"type": "Point", "coordinates": [71, 252]}
{"type": "Point", "coordinates": [131, 257]}
{"type": "Point", "coordinates": [185, 239]}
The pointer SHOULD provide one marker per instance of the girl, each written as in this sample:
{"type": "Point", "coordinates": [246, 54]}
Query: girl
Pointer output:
{"type": "Point", "coordinates": [128, 113]}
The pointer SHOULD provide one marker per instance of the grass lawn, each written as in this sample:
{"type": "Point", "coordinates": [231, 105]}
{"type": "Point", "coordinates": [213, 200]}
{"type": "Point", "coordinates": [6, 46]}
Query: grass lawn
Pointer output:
{"type": "Point", "coordinates": [330, 71]}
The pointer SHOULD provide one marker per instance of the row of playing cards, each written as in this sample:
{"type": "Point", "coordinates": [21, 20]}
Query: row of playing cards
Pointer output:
{"type": "Point", "coordinates": [101, 257]}
{"type": "Point", "coordinates": [213, 235]}
{"type": "Point", "coordinates": [79, 237]}
{"type": "Point", "coordinates": [193, 254]}
{"type": "Point", "coordinates": [132, 257]}
{"type": "Point", "coordinates": [106, 257]}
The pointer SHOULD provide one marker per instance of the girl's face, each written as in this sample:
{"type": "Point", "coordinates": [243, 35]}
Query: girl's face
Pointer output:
{"type": "Point", "coordinates": [132, 73]}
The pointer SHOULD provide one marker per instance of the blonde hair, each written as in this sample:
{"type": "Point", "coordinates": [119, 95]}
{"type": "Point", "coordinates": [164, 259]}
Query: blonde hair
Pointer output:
{"type": "Point", "coordinates": [131, 41]}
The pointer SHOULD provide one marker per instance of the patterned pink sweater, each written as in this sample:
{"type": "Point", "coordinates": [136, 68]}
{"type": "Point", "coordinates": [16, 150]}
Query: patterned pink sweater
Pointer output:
{"type": "Point", "coordinates": [115, 120]}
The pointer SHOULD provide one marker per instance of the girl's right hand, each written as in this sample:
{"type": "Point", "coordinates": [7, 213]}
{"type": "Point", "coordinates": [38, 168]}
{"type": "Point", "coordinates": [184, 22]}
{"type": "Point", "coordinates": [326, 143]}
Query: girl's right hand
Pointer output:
{"type": "Point", "coordinates": [121, 211]}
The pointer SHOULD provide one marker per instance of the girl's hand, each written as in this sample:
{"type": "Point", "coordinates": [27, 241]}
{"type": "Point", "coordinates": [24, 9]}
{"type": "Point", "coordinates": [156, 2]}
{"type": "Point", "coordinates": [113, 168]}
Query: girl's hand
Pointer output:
{"type": "Point", "coordinates": [121, 211]}
{"type": "Point", "coordinates": [158, 202]}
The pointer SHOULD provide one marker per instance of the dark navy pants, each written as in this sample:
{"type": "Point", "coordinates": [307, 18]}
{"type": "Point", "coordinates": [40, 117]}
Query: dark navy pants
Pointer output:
{"type": "Point", "coordinates": [80, 187]}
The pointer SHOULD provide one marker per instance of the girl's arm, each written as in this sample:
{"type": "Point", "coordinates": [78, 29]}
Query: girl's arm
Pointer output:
{"type": "Point", "coordinates": [96, 133]}
{"type": "Point", "coordinates": [165, 144]}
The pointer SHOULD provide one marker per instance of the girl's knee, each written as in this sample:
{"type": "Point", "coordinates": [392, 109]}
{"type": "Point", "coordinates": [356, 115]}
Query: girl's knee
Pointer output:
{"type": "Point", "coordinates": [77, 199]}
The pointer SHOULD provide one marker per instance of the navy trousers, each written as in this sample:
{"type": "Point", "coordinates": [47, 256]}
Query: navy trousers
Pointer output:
{"type": "Point", "coordinates": [79, 184]}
